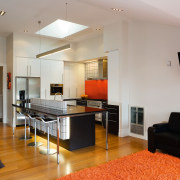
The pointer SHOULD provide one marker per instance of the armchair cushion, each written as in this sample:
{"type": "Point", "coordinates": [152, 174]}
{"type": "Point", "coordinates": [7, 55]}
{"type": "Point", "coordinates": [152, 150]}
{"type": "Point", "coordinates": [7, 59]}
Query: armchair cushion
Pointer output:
{"type": "Point", "coordinates": [168, 138]}
{"type": "Point", "coordinates": [174, 122]}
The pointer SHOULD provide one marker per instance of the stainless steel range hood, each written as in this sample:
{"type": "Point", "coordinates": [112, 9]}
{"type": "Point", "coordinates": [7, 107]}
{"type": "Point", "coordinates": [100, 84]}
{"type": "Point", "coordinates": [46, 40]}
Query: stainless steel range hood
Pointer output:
{"type": "Point", "coordinates": [102, 68]}
{"type": "Point", "coordinates": [98, 72]}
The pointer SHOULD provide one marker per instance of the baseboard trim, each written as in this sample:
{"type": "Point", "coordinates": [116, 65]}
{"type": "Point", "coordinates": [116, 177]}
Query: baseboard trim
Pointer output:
{"type": "Point", "coordinates": [123, 132]}
{"type": "Point", "coordinates": [138, 136]}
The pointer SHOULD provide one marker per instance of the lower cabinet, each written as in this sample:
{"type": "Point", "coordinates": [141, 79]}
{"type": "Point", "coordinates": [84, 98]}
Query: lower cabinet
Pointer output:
{"type": "Point", "coordinates": [113, 118]}
{"type": "Point", "coordinates": [75, 133]}
{"type": "Point", "coordinates": [81, 102]}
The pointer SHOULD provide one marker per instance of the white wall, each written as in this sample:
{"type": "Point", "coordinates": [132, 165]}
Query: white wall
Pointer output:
{"type": "Point", "coordinates": [144, 77]}
{"type": "Point", "coordinates": [1, 91]}
{"type": "Point", "coordinates": [9, 59]}
{"type": "Point", "coordinates": [153, 84]}
{"type": "Point", "coordinates": [3, 64]}
{"type": "Point", "coordinates": [116, 43]}
{"type": "Point", "coordinates": [29, 46]}
{"type": "Point", "coordinates": [90, 48]}
{"type": "Point", "coordinates": [2, 51]}
{"type": "Point", "coordinates": [1, 80]}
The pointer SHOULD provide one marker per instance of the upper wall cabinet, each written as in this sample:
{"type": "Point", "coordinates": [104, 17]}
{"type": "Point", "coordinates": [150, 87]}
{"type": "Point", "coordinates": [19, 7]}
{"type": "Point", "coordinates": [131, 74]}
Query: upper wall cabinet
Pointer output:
{"type": "Point", "coordinates": [28, 67]}
{"type": "Point", "coordinates": [74, 80]}
{"type": "Point", "coordinates": [51, 73]}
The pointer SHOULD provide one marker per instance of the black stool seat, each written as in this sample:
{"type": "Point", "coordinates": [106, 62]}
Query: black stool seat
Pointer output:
{"type": "Point", "coordinates": [25, 137]}
{"type": "Point", "coordinates": [34, 117]}
{"type": "Point", "coordinates": [47, 120]}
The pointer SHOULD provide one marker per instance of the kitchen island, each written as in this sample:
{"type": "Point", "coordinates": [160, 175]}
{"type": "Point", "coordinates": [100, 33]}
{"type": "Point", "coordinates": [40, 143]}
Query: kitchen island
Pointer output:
{"type": "Point", "coordinates": [81, 123]}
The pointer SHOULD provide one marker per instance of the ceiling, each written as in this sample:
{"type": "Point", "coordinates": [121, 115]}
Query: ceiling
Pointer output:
{"type": "Point", "coordinates": [24, 15]}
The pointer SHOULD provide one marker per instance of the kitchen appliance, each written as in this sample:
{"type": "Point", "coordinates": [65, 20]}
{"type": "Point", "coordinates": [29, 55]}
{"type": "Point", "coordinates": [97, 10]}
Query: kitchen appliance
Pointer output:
{"type": "Point", "coordinates": [56, 88]}
{"type": "Point", "coordinates": [95, 104]}
{"type": "Point", "coordinates": [97, 70]}
{"type": "Point", "coordinates": [26, 88]}
{"type": "Point", "coordinates": [22, 95]}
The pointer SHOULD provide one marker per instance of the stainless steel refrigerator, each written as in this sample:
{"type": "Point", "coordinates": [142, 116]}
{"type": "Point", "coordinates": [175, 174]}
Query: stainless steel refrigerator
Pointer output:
{"type": "Point", "coordinates": [26, 88]}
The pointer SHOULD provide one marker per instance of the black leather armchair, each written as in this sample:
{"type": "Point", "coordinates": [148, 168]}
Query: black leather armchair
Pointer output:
{"type": "Point", "coordinates": [165, 136]}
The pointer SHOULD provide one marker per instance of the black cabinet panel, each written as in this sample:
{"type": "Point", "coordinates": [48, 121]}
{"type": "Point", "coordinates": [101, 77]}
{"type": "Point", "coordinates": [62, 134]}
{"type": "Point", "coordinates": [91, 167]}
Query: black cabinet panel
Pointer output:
{"type": "Point", "coordinates": [82, 102]}
{"type": "Point", "coordinates": [113, 127]}
{"type": "Point", "coordinates": [113, 118]}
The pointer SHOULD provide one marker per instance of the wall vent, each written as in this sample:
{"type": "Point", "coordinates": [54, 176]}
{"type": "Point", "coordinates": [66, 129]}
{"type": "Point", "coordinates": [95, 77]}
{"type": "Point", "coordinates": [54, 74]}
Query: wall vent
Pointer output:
{"type": "Point", "coordinates": [137, 120]}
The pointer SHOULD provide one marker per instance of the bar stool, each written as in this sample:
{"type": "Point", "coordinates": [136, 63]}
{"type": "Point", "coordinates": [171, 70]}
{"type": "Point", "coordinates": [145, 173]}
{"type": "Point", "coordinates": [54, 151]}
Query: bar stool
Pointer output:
{"type": "Point", "coordinates": [35, 143]}
{"type": "Point", "coordinates": [47, 121]}
{"type": "Point", "coordinates": [25, 137]}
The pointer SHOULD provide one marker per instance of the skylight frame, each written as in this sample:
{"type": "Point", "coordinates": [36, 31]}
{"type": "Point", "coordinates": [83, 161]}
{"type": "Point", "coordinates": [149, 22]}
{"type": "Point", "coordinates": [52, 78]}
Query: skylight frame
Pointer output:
{"type": "Point", "coordinates": [61, 29]}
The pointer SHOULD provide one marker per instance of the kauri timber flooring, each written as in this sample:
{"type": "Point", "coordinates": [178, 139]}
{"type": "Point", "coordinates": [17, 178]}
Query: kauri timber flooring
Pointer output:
{"type": "Point", "coordinates": [26, 163]}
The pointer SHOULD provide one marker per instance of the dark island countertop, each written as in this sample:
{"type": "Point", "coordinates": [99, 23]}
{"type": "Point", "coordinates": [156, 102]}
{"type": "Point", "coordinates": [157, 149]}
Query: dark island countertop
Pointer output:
{"type": "Point", "coordinates": [70, 111]}
{"type": "Point", "coordinates": [75, 99]}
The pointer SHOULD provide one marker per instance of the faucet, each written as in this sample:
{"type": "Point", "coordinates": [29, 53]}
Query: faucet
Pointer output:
{"type": "Point", "coordinates": [58, 93]}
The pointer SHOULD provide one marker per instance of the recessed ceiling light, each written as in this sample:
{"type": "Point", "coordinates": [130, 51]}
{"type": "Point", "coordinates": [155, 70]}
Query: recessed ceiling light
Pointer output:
{"type": "Point", "coordinates": [117, 9]}
{"type": "Point", "coordinates": [2, 13]}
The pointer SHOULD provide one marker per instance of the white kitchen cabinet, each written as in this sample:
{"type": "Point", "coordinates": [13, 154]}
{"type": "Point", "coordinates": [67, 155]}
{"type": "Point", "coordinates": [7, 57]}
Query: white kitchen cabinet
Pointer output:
{"type": "Point", "coordinates": [66, 86]}
{"type": "Point", "coordinates": [51, 73]}
{"type": "Point", "coordinates": [28, 67]}
{"type": "Point", "coordinates": [74, 80]}
{"type": "Point", "coordinates": [80, 79]}
{"type": "Point", "coordinates": [34, 67]}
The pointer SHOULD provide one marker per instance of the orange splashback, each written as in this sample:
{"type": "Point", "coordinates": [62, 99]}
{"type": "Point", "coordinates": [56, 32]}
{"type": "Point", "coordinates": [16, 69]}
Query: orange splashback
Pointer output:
{"type": "Point", "coordinates": [96, 89]}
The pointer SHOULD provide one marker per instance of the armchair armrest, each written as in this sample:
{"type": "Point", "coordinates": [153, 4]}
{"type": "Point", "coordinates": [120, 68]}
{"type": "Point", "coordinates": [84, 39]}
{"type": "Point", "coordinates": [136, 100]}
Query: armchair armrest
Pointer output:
{"type": "Point", "coordinates": [161, 127]}
{"type": "Point", "coordinates": [151, 139]}
{"type": "Point", "coordinates": [156, 128]}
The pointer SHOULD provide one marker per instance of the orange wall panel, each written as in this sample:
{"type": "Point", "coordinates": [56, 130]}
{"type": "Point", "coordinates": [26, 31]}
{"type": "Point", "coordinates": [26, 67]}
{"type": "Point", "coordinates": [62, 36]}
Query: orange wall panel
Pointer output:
{"type": "Point", "coordinates": [96, 89]}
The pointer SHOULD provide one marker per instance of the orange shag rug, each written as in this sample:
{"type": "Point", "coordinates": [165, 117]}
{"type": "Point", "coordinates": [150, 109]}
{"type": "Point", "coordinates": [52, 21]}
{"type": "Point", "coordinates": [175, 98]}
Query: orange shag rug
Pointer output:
{"type": "Point", "coordinates": [142, 165]}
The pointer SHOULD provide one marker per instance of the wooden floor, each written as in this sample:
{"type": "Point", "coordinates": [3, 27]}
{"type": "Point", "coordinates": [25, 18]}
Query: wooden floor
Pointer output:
{"type": "Point", "coordinates": [23, 162]}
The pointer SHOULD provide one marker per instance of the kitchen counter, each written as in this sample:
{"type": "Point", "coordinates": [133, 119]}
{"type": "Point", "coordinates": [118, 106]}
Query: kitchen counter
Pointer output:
{"type": "Point", "coordinates": [70, 111]}
{"type": "Point", "coordinates": [81, 124]}
{"type": "Point", "coordinates": [85, 99]}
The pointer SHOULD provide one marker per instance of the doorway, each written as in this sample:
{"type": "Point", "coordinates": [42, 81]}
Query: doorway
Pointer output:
{"type": "Point", "coordinates": [1, 93]}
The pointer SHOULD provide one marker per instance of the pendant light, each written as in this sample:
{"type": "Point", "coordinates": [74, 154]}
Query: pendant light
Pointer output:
{"type": "Point", "coordinates": [53, 51]}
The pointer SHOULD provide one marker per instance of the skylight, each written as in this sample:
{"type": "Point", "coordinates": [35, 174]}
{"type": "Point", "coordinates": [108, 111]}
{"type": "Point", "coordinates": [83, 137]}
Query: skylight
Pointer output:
{"type": "Point", "coordinates": [61, 29]}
